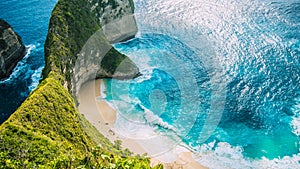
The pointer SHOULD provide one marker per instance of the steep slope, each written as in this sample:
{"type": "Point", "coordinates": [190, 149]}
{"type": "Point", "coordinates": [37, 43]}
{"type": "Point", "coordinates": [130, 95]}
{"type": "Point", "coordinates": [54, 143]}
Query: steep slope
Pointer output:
{"type": "Point", "coordinates": [47, 131]}
{"type": "Point", "coordinates": [74, 27]}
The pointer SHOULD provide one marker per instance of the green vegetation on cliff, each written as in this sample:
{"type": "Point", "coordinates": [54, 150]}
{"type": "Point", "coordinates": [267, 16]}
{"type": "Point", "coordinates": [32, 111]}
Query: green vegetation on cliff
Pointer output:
{"type": "Point", "coordinates": [47, 131]}
{"type": "Point", "coordinates": [131, 5]}
{"type": "Point", "coordinates": [44, 131]}
{"type": "Point", "coordinates": [71, 25]}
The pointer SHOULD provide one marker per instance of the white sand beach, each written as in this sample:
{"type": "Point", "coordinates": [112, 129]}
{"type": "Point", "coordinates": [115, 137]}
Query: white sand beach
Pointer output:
{"type": "Point", "coordinates": [103, 116]}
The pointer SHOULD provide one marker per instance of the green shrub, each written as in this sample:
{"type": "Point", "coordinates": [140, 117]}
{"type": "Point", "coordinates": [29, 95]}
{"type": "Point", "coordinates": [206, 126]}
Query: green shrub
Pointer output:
{"type": "Point", "coordinates": [47, 131]}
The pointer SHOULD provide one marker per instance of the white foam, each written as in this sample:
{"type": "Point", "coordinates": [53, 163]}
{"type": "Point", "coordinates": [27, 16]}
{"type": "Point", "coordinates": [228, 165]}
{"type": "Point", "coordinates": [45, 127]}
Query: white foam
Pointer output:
{"type": "Point", "coordinates": [126, 98]}
{"type": "Point", "coordinates": [103, 90]}
{"type": "Point", "coordinates": [155, 144]}
{"type": "Point", "coordinates": [21, 64]}
{"type": "Point", "coordinates": [138, 34]}
{"type": "Point", "coordinates": [126, 109]}
{"type": "Point", "coordinates": [171, 155]}
{"type": "Point", "coordinates": [143, 62]}
{"type": "Point", "coordinates": [176, 18]}
{"type": "Point", "coordinates": [226, 156]}
{"type": "Point", "coordinates": [166, 148]}
{"type": "Point", "coordinates": [35, 77]}
{"type": "Point", "coordinates": [146, 75]}
{"type": "Point", "coordinates": [142, 59]}
{"type": "Point", "coordinates": [295, 124]}
{"type": "Point", "coordinates": [154, 119]}
{"type": "Point", "coordinates": [129, 126]}
{"type": "Point", "coordinates": [132, 129]}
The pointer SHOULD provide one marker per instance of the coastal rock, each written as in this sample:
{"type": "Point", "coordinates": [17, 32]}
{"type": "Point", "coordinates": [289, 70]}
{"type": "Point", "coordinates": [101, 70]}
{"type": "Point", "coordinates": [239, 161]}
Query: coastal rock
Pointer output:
{"type": "Point", "coordinates": [78, 46]}
{"type": "Point", "coordinates": [116, 18]}
{"type": "Point", "coordinates": [47, 130]}
{"type": "Point", "coordinates": [12, 49]}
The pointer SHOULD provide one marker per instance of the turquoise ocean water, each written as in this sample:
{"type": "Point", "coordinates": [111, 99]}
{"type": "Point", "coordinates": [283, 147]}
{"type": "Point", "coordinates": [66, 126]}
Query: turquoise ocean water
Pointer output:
{"type": "Point", "coordinates": [224, 76]}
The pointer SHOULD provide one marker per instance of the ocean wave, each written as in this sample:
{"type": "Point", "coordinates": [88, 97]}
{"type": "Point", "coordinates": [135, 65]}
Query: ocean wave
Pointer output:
{"type": "Point", "coordinates": [146, 75]}
{"type": "Point", "coordinates": [35, 78]}
{"type": "Point", "coordinates": [24, 69]}
{"type": "Point", "coordinates": [223, 155]}
{"type": "Point", "coordinates": [136, 117]}
{"type": "Point", "coordinates": [132, 128]}
{"type": "Point", "coordinates": [246, 48]}
{"type": "Point", "coordinates": [295, 124]}
{"type": "Point", "coordinates": [154, 119]}
{"type": "Point", "coordinates": [21, 66]}
{"type": "Point", "coordinates": [127, 110]}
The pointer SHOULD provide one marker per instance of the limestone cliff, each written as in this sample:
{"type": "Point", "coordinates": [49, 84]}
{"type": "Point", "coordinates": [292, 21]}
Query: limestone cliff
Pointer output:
{"type": "Point", "coordinates": [47, 131]}
{"type": "Point", "coordinates": [12, 49]}
{"type": "Point", "coordinates": [117, 19]}
{"type": "Point", "coordinates": [77, 48]}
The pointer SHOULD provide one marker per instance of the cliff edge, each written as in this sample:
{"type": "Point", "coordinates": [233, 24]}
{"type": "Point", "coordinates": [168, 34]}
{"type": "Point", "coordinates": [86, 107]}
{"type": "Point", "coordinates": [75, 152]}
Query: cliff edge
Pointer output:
{"type": "Point", "coordinates": [47, 131]}
{"type": "Point", "coordinates": [77, 48]}
{"type": "Point", "coordinates": [116, 18]}
{"type": "Point", "coordinates": [12, 49]}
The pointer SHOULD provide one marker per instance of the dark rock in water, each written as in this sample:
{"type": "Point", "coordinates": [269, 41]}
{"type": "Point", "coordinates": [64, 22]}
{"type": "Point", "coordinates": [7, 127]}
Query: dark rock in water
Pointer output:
{"type": "Point", "coordinates": [12, 49]}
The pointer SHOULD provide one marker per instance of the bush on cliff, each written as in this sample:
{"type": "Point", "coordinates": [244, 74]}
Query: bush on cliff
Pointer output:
{"type": "Point", "coordinates": [47, 131]}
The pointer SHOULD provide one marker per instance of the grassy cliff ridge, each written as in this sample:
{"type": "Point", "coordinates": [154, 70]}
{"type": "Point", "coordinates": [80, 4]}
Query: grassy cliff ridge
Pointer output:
{"type": "Point", "coordinates": [47, 131]}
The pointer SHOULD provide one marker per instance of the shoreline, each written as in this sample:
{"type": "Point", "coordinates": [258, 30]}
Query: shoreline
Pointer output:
{"type": "Point", "coordinates": [103, 116]}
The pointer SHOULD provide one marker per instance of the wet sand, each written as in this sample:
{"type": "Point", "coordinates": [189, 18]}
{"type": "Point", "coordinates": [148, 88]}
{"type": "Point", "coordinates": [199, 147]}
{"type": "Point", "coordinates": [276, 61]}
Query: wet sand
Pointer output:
{"type": "Point", "coordinates": [103, 116]}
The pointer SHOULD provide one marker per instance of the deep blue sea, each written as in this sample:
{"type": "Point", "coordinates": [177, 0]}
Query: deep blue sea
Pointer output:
{"type": "Point", "coordinates": [30, 19]}
{"type": "Point", "coordinates": [223, 76]}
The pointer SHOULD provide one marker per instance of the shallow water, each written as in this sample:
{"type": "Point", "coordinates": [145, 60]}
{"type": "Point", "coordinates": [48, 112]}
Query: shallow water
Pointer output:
{"type": "Point", "coordinates": [222, 75]}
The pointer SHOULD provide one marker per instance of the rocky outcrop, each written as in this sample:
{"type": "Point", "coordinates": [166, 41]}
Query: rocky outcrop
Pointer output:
{"type": "Point", "coordinates": [117, 19]}
{"type": "Point", "coordinates": [98, 59]}
{"type": "Point", "coordinates": [12, 49]}
{"type": "Point", "coordinates": [47, 131]}
{"type": "Point", "coordinates": [78, 48]}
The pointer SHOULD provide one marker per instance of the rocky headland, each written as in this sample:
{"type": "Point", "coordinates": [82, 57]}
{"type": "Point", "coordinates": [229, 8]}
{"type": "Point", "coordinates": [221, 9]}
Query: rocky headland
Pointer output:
{"type": "Point", "coordinates": [47, 131]}
{"type": "Point", "coordinates": [78, 49]}
{"type": "Point", "coordinates": [12, 49]}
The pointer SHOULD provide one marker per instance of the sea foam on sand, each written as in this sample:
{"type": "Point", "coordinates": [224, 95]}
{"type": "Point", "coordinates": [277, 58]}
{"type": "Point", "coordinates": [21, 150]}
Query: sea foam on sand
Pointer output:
{"type": "Point", "coordinates": [139, 138]}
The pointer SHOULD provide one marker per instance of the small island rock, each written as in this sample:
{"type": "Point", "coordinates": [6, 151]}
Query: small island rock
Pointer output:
{"type": "Point", "coordinates": [12, 50]}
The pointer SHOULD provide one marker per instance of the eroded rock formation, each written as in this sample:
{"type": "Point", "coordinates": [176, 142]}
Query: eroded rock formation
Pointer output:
{"type": "Point", "coordinates": [12, 49]}
{"type": "Point", "coordinates": [78, 48]}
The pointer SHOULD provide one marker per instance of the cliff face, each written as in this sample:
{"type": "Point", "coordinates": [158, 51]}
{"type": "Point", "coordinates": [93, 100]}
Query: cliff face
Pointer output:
{"type": "Point", "coordinates": [12, 49]}
{"type": "Point", "coordinates": [78, 49]}
{"type": "Point", "coordinates": [117, 19]}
